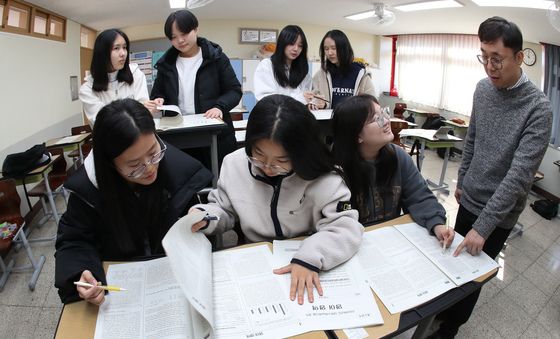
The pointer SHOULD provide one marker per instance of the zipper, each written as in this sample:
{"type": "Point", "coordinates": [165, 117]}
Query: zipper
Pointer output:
{"type": "Point", "coordinates": [274, 210]}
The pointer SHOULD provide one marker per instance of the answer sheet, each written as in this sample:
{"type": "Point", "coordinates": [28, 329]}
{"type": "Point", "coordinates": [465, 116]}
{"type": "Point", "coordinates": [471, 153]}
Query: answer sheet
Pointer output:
{"type": "Point", "coordinates": [184, 121]}
{"type": "Point", "coordinates": [347, 300]}
{"type": "Point", "coordinates": [401, 276]}
{"type": "Point", "coordinates": [460, 269]}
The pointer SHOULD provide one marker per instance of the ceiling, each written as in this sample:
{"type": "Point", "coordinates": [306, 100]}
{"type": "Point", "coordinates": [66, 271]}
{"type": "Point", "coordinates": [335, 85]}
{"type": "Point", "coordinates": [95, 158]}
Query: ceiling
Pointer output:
{"type": "Point", "coordinates": [103, 14]}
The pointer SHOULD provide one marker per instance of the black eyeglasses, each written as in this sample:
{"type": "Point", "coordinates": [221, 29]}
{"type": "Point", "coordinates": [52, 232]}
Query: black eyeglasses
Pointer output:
{"type": "Point", "coordinates": [156, 158]}
{"type": "Point", "coordinates": [496, 63]}
{"type": "Point", "coordinates": [278, 170]}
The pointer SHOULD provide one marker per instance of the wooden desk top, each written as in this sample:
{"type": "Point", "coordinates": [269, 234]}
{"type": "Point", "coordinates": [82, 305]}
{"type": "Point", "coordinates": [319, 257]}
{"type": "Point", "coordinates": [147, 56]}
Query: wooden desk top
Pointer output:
{"type": "Point", "coordinates": [454, 124]}
{"type": "Point", "coordinates": [419, 111]}
{"type": "Point", "coordinates": [68, 140]}
{"type": "Point", "coordinates": [40, 170]}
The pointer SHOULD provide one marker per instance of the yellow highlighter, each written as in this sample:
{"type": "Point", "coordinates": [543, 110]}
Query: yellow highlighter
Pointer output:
{"type": "Point", "coordinates": [106, 288]}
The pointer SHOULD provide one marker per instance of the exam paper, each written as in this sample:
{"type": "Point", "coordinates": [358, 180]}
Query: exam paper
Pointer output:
{"type": "Point", "coordinates": [184, 121]}
{"type": "Point", "coordinates": [460, 269]}
{"type": "Point", "coordinates": [347, 300]}
{"type": "Point", "coordinates": [401, 276]}
{"type": "Point", "coordinates": [68, 140]}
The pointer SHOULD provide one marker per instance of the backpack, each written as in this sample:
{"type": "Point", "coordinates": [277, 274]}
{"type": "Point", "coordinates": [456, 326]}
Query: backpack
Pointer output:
{"type": "Point", "coordinates": [545, 208]}
{"type": "Point", "coordinates": [17, 165]}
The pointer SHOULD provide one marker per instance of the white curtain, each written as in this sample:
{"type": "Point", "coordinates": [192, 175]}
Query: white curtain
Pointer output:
{"type": "Point", "coordinates": [439, 70]}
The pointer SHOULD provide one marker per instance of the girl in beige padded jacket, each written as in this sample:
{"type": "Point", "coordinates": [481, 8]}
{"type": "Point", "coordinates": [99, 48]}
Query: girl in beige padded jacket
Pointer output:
{"type": "Point", "coordinates": [284, 185]}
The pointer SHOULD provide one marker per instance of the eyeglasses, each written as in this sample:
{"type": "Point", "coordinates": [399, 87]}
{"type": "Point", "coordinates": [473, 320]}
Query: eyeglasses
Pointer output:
{"type": "Point", "coordinates": [381, 118]}
{"type": "Point", "coordinates": [156, 158]}
{"type": "Point", "coordinates": [277, 170]}
{"type": "Point", "coordinates": [496, 63]}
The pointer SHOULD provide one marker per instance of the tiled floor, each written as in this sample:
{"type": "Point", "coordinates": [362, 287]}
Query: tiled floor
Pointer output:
{"type": "Point", "coordinates": [523, 301]}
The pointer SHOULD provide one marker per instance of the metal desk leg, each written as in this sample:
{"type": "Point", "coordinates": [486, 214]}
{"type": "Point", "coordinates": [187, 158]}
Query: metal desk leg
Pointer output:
{"type": "Point", "coordinates": [214, 159]}
{"type": "Point", "coordinates": [442, 185]}
{"type": "Point", "coordinates": [51, 198]}
{"type": "Point", "coordinates": [421, 156]}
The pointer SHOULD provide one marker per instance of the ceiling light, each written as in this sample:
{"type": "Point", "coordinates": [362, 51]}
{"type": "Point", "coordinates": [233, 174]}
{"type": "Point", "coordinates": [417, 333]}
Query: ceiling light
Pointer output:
{"type": "Point", "coordinates": [361, 16]}
{"type": "Point", "coordinates": [538, 4]}
{"type": "Point", "coordinates": [177, 3]}
{"type": "Point", "coordinates": [420, 6]}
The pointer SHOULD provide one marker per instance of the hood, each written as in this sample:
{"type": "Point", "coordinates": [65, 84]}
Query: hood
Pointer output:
{"type": "Point", "coordinates": [133, 68]}
{"type": "Point", "coordinates": [210, 51]}
{"type": "Point", "coordinates": [89, 166]}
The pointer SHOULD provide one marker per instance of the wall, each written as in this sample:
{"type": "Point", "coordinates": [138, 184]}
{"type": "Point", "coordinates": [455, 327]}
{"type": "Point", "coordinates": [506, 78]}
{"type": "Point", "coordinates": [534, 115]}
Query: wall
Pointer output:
{"type": "Point", "coordinates": [35, 89]}
{"type": "Point", "coordinates": [551, 180]}
{"type": "Point", "coordinates": [226, 34]}
{"type": "Point", "coordinates": [535, 72]}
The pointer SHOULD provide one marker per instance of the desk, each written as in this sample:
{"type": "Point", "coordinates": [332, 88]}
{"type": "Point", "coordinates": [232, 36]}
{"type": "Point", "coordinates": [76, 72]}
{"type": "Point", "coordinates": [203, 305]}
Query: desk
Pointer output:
{"type": "Point", "coordinates": [428, 140]}
{"type": "Point", "coordinates": [78, 320]}
{"type": "Point", "coordinates": [421, 315]}
{"type": "Point", "coordinates": [195, 132]}
{"type": "Point", "coordinates": [70, 143]}
{"type": "Point", "coordinates": [420, 116]}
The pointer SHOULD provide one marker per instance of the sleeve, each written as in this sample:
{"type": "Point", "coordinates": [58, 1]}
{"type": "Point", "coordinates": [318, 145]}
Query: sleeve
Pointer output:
{"type": "Point", "coordinates": [158, 88]}
{"type": "Point", "coordinates": [219, 204]}
{"type": "Point", "coordinates": [303, 87]}
{"type": "Point", "coordinates": [76, 248]}
{"type": "Point", "coordinates": [264, 81]}
{"type": "Point", "coordinates": [367, 85]}
{"type": "Point", "coordinates": [91, 102]}
{"type": "Point", "coordinates": [140, 86]}
{"type": "Point", "coordinates": [319, 83]}
{"type": "Point", "coordinates": [519, 178]}
{"type": "Point", "coordinates": [339, 234]}
{"type": "Point", "coordinates": [468, 149]}
{"type": "Point", "coordinates": [417, 198]}
{"type": "Point", "coordinates": [229, 85]}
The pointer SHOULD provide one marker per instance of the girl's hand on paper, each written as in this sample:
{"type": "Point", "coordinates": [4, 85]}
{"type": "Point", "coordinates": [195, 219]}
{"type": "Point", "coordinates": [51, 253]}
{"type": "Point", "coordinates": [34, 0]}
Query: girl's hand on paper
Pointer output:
{"type": "Point", "coordinates": [92, 295]}
{"type": "Point", "coordinates": [152, 105]}
{"type": "Point", "coordinates": [302, 278]}
{"type": "Point", "coordinates": [215, 113]}
{"type": "Point", "coordinates": [444, 234]}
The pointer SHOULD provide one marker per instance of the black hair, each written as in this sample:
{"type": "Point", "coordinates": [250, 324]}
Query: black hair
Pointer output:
{"type": "Point", "coordinates": [344, 53]}
{"type": "Point", "coordinates": [289, 123]}
{"type": "Point", "coordinates": [299, 67]}
{"type": "Point", "coordinates": [133, 211]}
{"type": "Point", "coordinates": [349, 118]}
{"type": "Point", "coordinates": [186, 22]}
{"type": "Point", "coordinates": [495, 28]}
{"type": "Point", "coordinates": [101, 61]}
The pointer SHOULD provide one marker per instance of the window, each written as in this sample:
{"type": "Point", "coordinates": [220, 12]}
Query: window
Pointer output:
{"type": "Point", "coordinates": [22, 18]}
{"type": "Point", "coordinates": [18, 16]}
{"type": "Point", "coordinates": [40, 23]}
{"type": "Point", "coordinates": [57, 27]}
{"type": "Point", "coordinates": [87, 37]}
{"type": "Point", "coordinates": [439, 70]}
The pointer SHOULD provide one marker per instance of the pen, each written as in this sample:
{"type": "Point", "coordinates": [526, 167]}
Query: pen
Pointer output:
{"type": "Point", "coordinates": [446, 229]}
{"type": "Point", "coordinates": [106, 288]}
{"type": "Point", "coordinates": [318, 97]}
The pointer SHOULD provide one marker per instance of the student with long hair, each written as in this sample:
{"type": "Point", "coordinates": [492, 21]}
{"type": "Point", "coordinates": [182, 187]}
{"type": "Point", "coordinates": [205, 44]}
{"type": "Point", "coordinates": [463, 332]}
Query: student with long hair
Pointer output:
{"type": "Point", "coordinates": [283, 185]}
{"type": "Point", "coordinates": [112, 76]}
{"type": "Point", "coordinates": [197, 76]}
{"type": "Point", "coordinates": [382, 177]}
{"type": "Point", "coordinates": [340, 76]}
{"type": "Point", "coordinates": [286, 71]}
{"type": "Point", "coordinates": [130, 191]}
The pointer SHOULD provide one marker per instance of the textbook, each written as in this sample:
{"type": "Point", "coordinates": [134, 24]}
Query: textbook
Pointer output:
{"type": "Point", "coordinates": [407, 267]}
{"type": "Point", "coordinates": [169, 110]}
{"type": "Point", "coordinates": [184, 121]}
{"type": "Point", "coordinates": [194, 293]}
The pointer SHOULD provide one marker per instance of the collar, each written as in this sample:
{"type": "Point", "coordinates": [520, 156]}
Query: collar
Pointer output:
{"type": "Point", "coordinates": [522, 79]}
{"type": "Point", "coordinates": [89, 166]}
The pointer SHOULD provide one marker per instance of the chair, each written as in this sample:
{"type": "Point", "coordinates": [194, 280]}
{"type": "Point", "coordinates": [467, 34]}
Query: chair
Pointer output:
{"type": "Point", "coordinates": [56, 180]}
{"type": "Point", "coordinates": [86, 147]}
{"type": "Point", "coordinates": [10, 212]}
{"type": "Point", "coordinates": [399, 110]}
{"type": "Point", "coordinates": [396, 128]}
{"type": "Point", "coordinates": [249, 100]}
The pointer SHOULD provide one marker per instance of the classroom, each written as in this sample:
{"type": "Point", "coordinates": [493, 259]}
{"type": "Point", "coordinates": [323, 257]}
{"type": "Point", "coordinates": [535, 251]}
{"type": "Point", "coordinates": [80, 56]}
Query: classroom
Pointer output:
{"type": "Point", "coordinates": [423, 59]}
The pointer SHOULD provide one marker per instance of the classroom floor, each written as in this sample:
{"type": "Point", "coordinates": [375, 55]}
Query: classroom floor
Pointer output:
{"type": "Point", "coordinates": [523, 301]}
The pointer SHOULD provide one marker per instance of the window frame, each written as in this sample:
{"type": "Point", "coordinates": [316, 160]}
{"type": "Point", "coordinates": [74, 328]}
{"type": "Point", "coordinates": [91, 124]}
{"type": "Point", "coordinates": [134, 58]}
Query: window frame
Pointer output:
{"type": "Point", "coordinates": [33, 11]}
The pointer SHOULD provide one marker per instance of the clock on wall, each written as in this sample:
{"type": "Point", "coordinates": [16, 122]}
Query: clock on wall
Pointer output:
{"type": "Point", "coordinates": [530, 57]}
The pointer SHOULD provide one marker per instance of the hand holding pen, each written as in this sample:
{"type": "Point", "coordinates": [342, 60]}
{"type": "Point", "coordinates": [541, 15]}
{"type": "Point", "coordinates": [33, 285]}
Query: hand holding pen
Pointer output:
{"type": "Point", "coordinates": [92, 295]}
{"type": "Point", "coordinates": [202, 224]}
{"type": "Point", "coordinates": [444, 234]}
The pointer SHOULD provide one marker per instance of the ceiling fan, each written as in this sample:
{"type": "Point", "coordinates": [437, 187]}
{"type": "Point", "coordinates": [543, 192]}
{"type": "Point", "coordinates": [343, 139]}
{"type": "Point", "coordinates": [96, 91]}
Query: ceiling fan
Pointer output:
{"type": "Point", "coordinates": [553, 14]}
{"type": "Point", "coordinates": [382, 16]}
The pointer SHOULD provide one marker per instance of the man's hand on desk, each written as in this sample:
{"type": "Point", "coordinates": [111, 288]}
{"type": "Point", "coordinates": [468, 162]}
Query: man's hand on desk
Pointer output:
{"type": "Point", "coordinates": [92, 295]}
{"type": "Point", "coordinates": [473, 243]}
{"type": "Point", "coordinates": [444, 234]}
{"type": "Point", "coordinates": [302, 278]}
{"type": "Point", "coordinates": [215, 113]}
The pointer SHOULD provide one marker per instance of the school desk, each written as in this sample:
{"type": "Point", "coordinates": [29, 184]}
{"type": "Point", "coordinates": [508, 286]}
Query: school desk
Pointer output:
{"type": "Point", "coordinates": [70, 143]}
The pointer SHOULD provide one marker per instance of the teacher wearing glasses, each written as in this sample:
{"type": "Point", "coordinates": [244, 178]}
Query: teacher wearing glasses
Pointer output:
{"type": "Point", "coordinates": [130, 191]}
